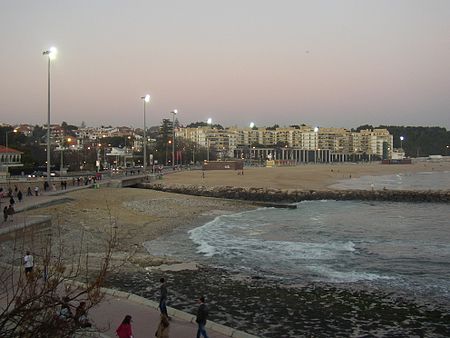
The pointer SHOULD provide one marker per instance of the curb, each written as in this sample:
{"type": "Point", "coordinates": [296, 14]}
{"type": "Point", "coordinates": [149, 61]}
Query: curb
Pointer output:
{"type": "Point", "coordinates": [25, 223]}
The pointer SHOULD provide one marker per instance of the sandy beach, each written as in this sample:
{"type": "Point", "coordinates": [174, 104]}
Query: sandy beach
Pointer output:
{"type": "Point", "coordinates": [142, 215]}
{"type": "Point", "coordinates": [306, 177]}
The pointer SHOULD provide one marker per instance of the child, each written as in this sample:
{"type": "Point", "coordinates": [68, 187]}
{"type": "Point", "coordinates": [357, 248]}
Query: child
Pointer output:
{"type": "Point", "coordinates": [124, 330]}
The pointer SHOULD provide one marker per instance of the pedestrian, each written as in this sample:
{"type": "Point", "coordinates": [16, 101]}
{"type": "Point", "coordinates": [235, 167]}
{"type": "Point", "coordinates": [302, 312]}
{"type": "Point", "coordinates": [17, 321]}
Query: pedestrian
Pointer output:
{"type": "Point", "coordinates": [20, 196]}
{"type": "Point", "coordinates": [36, 190]}
{"type": "Point", "coordinates": [46, 186]}
{"type": "Point", "coordinates": [11, 212]}
{"type": "Point", "coordinates": [163, 297]}
{"type": "Point", "coordinates": [29, 193]}
{"type": "Point", "coordinates": [12, 201]}
{"type": "Point", "coordinates": [124, 330]}
{"type": "Point", "coordinates": [65, 313]}
{"type": "Point", "coordinates": [80, 315]}
{"type": "Point", "coordinates": [28, 262]}
{"type": "Point", "coordinates": [163, 327]}
{"type": "Point", "coordinates": [202, 316]}
{"type": "Point", "coordinates": [5, 213]}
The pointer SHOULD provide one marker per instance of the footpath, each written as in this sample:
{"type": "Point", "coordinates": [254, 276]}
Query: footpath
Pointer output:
{"type": "Point", "coordinates": [108, 314]}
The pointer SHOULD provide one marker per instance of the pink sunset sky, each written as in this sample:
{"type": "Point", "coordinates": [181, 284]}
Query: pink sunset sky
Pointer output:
{"type": "Point", "coordinates": [325, 63]}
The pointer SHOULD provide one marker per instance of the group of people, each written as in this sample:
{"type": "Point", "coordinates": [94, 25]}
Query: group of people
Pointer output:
{"type": "Point", "coordinates": [125, 330]}
{"type": "Point", "coordinates": [9, 211]}
{"type": "Point", "coordinates": [65, 313]}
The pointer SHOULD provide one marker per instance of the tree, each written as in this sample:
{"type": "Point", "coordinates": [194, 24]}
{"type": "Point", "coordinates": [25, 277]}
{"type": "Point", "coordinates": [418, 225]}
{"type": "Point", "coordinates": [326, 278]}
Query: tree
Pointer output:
{"type": "Point", "coordinates": [204, 124]}
{"type": "Point", "coordinates": [274, 127]}
{"type": "Point", "coordinates": [30, 304]}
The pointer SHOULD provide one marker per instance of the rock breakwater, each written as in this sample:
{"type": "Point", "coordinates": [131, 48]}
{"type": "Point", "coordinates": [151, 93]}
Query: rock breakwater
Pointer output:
{"type": "Point", "coordinates": [292, 195]}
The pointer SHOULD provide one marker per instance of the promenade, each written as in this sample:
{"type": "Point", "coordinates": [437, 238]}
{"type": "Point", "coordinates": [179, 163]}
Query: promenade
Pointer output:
{"type": "Point", "coordinates": [108, 315]}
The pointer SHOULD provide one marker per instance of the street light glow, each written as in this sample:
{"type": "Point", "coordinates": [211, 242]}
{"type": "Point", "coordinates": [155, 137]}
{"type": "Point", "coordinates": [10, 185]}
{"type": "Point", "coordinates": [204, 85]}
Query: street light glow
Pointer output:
{"type": "Point", "coordinates": [52, 52]}
{"type": "Point", "coordinates": [175, 111]}
{"type": "Point", "coordinates": [252, 124]}
{"type": "Point", "coordinates": [401, 138]}
{"type": "Point", "coordinates": [147, 98]}
{"type": "Point", "coordinates": [316, 129]}
{"type": "Point", "coordinates": [209, 121]}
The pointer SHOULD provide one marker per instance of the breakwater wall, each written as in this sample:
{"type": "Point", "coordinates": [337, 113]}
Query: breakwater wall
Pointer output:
{"type": "Point", "coordinates": [292, 195]}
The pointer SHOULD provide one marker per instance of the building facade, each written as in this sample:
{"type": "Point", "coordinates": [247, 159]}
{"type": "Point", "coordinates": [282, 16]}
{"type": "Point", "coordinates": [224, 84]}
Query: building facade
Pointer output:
{"type": "Point", "coordinates": [299, 144]}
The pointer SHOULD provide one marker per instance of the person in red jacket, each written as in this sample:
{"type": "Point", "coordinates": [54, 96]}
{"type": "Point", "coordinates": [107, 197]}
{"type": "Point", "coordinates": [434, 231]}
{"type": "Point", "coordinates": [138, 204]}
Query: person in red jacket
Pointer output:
{"type": "Point", "coordinates": [124, 330]}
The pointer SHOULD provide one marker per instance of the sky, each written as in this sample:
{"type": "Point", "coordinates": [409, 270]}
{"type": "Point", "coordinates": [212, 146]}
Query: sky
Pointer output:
{"type": "Point", "coordinates": [324, 63]}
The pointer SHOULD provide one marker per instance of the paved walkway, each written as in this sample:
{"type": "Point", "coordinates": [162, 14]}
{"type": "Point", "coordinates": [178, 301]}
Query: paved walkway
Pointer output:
{"type": "Point", "coordinates": [108, 315]}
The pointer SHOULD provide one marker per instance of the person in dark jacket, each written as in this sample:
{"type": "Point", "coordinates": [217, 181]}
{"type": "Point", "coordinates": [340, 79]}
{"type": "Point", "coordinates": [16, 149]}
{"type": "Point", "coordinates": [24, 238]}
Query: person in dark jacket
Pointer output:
{"type": "Point", "coordinates": [202, 316]}
{"type": "Point", "coordinates": [5, 214]}
{"type": "Point", "coordinates": [163, 297]}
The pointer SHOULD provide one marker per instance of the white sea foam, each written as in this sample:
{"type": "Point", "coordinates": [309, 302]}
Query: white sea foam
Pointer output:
{"type": "Point", "coordinates": [392, 244]}
{"type": "Point", "coordinates": [327, 273]}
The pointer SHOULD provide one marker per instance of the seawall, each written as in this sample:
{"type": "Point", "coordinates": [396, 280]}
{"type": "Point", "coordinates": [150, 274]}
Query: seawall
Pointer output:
{"type": "Point", "coordinates": [290, 195]}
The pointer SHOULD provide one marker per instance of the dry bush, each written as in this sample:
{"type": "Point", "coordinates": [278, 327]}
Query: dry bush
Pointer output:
{"type": "Point", "coordinates": [30, 304]}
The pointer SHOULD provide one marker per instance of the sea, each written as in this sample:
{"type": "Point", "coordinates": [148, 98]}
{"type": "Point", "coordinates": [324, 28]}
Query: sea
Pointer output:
{"type": "Point", "coordinates": [326, 268]}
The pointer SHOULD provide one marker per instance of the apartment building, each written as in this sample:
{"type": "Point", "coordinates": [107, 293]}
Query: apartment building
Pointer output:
{"type": "Point", "coordinates": [326, 144]}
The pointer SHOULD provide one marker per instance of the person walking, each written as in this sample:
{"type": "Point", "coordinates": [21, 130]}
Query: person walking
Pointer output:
{"type": "Point", "coordinates": [29, 193]}
{"type": "Point", "coordinates": [11, 212]}
{"type": "Point", "coordinates": [20, 196]}
{"type": "Point", "coordinates": [124, 330]}
{"type": "Point", "coordinates": [28, 262]}
{"type": "Point", "coordinates": [163, 327]}
{"type": "Point", "coordinates": [5, 213]}
{"type": "Point", "coordinates": [202, 316]}
{"type": "Point", "coordinates": [163, 297]}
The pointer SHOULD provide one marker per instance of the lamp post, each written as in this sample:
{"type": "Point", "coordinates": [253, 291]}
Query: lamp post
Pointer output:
{"type": "Point", "coordinates": [51, 54]}
{"type": "Point", "coordinates": [209, 122]}
{"type": "Point", "coordinates": [167, 145]}
{"type": "Point", "coordinates": [6, 136]}
{"type": "Point", "coordinates": [146, 99]}
{"type": "Point", "coordinates": [61, 167]}
{"type": "Point", "coordinates": [316, 139]}
{"type": "Point", "coordinates": [173, 112]}
{"type": "Point", "coordinates": [401, 142]}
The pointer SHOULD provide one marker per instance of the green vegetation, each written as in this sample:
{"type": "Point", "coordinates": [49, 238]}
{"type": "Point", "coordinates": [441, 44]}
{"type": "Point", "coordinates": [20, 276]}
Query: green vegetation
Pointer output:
{"type": "Point", "coordinates": [418, 141]}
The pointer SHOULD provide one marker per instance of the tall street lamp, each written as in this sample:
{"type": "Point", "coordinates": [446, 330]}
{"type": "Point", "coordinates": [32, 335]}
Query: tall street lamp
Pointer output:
{"type": "Point", "coordinates": [51, 54]}
{"type": "Point", "coordinates": [146, 99]}
{"type": "Point", "coordinates": [209, 122]}
{"type": "Point", "coordinates": [401, 142]}
{"type": "Point", "coordinates": [6, 136]}
{"type": "Point", "coordinates": [62, 145]}
{"type": "Point", "coordinates": [173, 112]}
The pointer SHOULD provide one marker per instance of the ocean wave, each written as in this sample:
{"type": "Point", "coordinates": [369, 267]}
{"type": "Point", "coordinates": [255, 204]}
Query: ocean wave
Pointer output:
{"type": "Point", "coordinates": [326, 273]}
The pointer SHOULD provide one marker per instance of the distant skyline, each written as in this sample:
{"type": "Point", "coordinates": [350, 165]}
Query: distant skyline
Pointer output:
{"type": "Point", "coordinates": [323, 63]}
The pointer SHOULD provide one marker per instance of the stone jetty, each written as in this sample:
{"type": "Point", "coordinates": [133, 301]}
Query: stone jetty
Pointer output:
{"type": "Point", "coordinates": [270, 195]}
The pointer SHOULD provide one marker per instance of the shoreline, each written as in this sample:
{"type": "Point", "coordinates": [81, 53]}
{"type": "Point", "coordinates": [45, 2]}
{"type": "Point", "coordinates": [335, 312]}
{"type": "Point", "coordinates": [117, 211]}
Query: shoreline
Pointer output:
{"type": "Point", "coordinates": [144, 215]}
